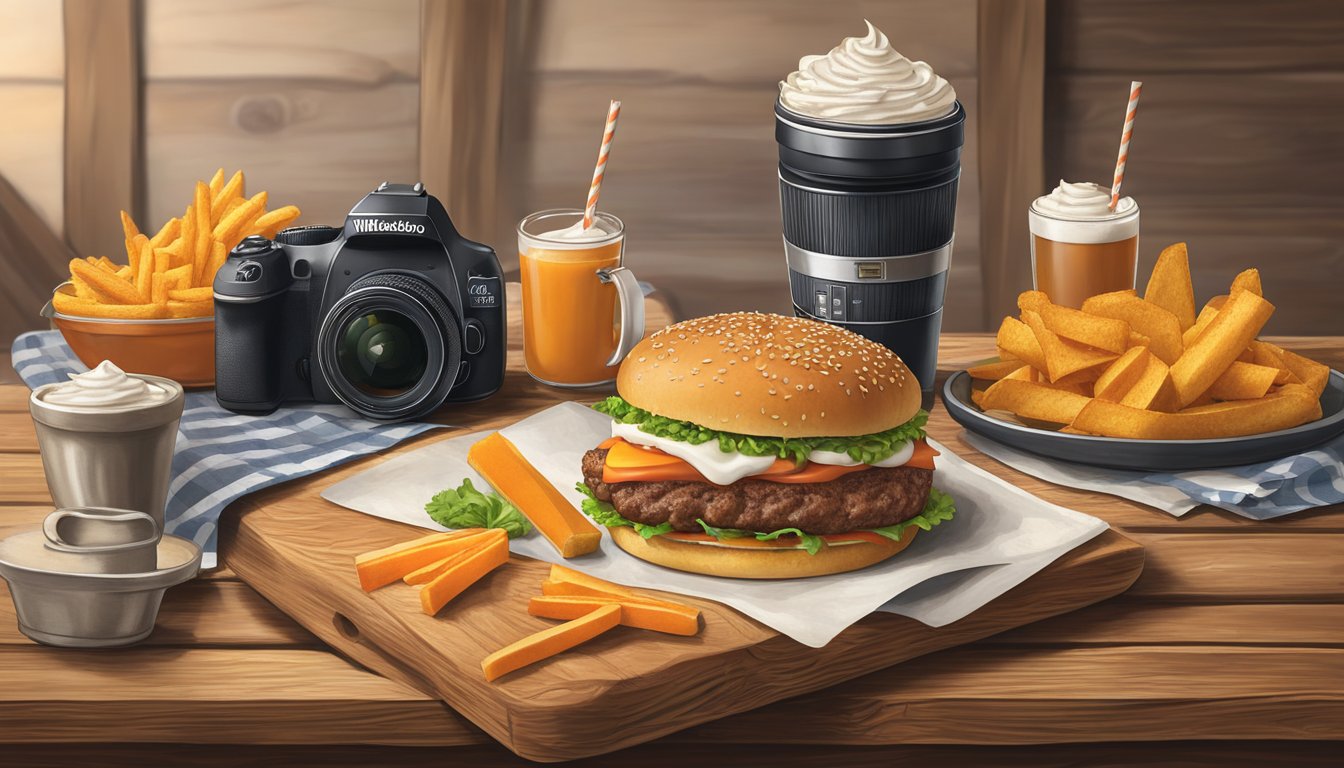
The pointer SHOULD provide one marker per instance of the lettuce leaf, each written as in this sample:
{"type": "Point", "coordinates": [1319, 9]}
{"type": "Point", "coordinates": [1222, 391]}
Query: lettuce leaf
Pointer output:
{"type": "Point", "coordinates": [938, 508]}
{"type": "Point", "coordinates": [466, 507]}
{"type": "Point", "coordinates": [866, 449]}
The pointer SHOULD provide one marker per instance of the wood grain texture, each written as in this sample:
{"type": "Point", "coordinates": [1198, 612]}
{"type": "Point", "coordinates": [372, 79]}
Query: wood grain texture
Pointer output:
{"type": "Point", "coordinates": [103, 151]}
{"type": "Point", "coordinates": [206, 696]}
{"type": "Point", "coordinates": [1011, 47]}
{"type": "Point", "coordinates": [665, 683]}
{"type": "Point", "coordinates": [324, 106]}
{"type": "Point", "coordinates": [1225, 36]}
{"type": "Point", "coordinates": [693, 172]}
{"type": "Point", "coordinates": [676, 754]}
{"type": "Point", "coordinates": [32, 98]}
{"type": "Point", "coordinates": [33, 261]}
{"type": "Point", "coordinates": [464, 46]}
{"type": "Point", "coordinates": [1147, 693]}
{"type": "Point", "coordinates": [1133, 620]}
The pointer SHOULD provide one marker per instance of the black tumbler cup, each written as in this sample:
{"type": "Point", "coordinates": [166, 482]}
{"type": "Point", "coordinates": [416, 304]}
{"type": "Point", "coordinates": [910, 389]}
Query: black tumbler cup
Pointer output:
{"type": "Point", "coordinates": [868, 217]}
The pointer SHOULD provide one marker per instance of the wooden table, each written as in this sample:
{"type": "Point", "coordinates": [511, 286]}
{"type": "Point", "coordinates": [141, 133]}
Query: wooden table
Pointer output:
{"type": "Point", "coordinates": [1229, 648]}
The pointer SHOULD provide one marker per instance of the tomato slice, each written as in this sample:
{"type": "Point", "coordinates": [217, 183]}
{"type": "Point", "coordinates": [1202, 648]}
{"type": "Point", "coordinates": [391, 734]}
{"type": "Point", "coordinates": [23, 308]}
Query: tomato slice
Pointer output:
{"type": "Point", "coordinates": [627, 462]}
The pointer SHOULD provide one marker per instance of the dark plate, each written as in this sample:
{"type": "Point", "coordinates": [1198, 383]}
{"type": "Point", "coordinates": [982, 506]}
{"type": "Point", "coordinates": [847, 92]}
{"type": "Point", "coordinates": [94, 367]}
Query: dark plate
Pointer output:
{"type": "Point", "coordinates": [1150, 455]}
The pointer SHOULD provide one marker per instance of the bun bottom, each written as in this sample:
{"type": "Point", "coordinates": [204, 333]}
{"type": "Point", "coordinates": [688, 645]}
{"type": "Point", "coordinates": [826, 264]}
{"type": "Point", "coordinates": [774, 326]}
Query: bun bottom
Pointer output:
{"type": "Point", "coordinates": [756, 562]}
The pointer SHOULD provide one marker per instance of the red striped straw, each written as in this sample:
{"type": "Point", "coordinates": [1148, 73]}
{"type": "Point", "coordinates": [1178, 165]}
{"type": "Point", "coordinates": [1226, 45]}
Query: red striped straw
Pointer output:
{"type": "Point", "coordinates": [1125, 136]}
{"type": "Point", "coordinates": [613, 112]}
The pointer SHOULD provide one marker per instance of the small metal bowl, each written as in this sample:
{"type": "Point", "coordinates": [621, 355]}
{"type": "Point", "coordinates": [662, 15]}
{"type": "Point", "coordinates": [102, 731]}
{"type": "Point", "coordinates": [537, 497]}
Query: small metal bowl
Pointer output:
{"type": "Point", "coordinates": [59, 607]}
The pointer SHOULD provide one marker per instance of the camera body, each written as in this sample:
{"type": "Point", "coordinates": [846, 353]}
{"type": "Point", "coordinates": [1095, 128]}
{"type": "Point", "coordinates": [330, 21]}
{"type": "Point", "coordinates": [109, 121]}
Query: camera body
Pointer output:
{"type": "Point", "coordinates": [393, 315]}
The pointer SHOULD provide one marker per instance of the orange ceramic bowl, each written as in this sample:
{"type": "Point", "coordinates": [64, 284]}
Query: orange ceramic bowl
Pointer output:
{"type": "Point", "coordinates": [179, 349]}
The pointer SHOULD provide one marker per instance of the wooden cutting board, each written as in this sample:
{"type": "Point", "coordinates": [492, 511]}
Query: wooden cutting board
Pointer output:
{"type": "Point", "coordinates": [624, 688]}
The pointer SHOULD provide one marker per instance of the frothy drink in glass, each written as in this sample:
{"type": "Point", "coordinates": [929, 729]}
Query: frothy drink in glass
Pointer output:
{"type": "Point", "coordinates": [1079, 246]}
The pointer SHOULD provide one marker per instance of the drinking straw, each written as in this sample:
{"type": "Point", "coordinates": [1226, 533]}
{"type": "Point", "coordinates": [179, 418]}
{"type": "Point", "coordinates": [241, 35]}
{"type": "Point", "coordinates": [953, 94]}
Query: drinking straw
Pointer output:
{"type": "Point", "coordinates": [613, 112]}
{"type": "Point", "coordinates": [1125, 135]}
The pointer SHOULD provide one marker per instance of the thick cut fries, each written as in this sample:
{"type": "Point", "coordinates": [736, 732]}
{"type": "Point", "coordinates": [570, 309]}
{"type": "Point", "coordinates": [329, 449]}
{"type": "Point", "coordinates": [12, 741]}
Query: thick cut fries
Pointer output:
{"type": "Point", "coordinates": [1121, 376]}
{"type": "Point", "coordinates": [1243, 381]}
{"type": "Point", "coordinates": [1169, 285]}
{"type": "Point", "coordinates": [1287, 408]}
{"type": "Point", "coordinates": [1034, 401]}
{"type": "Point", "coordinates": [1061, 357]}
{"type": "Point", "coordinates": [1159, 325]}
{"type": "Point", "coordinates": [1218, 346]}
{"type": "Point", "coordinates": [1015, 339]}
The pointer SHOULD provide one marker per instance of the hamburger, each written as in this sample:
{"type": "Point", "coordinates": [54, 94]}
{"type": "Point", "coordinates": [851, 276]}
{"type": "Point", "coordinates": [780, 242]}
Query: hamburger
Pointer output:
{"type": "Point", "coordinates": [760, 446]}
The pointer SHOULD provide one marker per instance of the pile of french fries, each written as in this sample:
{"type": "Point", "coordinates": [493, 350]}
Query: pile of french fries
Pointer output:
{"type": "Point", "coordinates": [1149, 368]}
{"type": "Point", "coordinates": [170, 274]}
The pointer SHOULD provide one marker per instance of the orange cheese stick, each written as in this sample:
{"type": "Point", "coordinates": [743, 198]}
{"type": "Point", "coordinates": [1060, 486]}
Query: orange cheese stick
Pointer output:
{"type": "Point", "coordinates": [549, 642]}
{"type": "Point", "coordinates": [567, 581]}
{"type": "Point", "coordinates": [634, 613]}
{"type": "Point", "coordinates": [459, 575]}
{"type": "Point", "coordinates": [384, 566]}
{"type": "Point", "coordinates": [500, 463]}
{"type": "Point", "coordinates": [435, 569]}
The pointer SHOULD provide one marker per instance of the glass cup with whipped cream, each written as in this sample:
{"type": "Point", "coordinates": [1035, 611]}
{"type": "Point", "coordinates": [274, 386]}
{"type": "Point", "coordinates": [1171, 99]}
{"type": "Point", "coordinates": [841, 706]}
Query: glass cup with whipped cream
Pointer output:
{"type": "Point", "coordinates": [582, 310]}
{"type": "Point", "coordinates": [869, 160]}
{"type": "Point", "coordinates": [1079, 246]}
{"type": "Point", "coordinates": [107, 438]}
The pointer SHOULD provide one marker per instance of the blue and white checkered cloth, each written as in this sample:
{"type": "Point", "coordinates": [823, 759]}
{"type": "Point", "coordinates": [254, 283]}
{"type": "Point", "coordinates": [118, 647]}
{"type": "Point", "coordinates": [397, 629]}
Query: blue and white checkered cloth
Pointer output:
{"type": "Point", "coordinates": [1262, 491]}
{"type": "Point", "coordinates": [221, 455]}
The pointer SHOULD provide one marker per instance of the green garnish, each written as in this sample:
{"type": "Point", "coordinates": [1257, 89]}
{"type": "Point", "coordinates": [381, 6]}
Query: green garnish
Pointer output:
{"type": "Point", "coordinates": [865, 449]}
{"type": "Point", "coordinates": [466, 507]}
{"type": "Point", "coordinates": [937, 509]}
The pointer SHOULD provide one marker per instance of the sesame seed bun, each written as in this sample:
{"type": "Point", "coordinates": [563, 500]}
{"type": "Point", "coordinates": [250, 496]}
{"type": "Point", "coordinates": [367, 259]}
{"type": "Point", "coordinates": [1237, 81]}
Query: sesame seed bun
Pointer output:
{"type": "Point", "coordinates": [769, 375]}
{"type": "Point", "coordinates": [751, 559]}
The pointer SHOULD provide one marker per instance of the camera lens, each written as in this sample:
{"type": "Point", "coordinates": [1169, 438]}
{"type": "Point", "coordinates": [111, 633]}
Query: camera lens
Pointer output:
{"type": "Point", "coordinates": [390, 347]}
{"type": "Point", "coordinates": [383, 353]}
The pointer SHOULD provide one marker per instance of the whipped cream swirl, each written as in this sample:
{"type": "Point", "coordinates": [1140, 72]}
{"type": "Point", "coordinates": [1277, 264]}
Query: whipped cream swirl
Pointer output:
{"type": "Point", "coordinates": [1081, 201]}
{"type": "Point", "coordinates": [106, 386]}
{"type": "Point", "coordinates": [864, 80]}
{"type": "Point", "coordinates": [575, 233]}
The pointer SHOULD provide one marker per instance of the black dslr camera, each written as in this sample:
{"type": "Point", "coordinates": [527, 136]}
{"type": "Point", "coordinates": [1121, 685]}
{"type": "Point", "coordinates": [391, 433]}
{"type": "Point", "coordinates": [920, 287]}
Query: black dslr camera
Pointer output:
{"type": "Point", "coordinates": [393, 316]}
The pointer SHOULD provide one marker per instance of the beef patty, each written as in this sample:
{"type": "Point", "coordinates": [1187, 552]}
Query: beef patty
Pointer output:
{"type": "Point", "coordinates": [871, 498]}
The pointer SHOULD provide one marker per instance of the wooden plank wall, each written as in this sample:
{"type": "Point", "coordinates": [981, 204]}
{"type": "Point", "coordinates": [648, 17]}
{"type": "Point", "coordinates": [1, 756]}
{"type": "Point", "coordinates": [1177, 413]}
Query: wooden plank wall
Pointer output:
{"type": "Point", "coordinates": [317, 102]}
{"type": "Point", "coordinates": [1237, 147]}
{"type": "Point", "coordinates": [32, 104]}
{"type": "Point", "coordinates": [693, 170]}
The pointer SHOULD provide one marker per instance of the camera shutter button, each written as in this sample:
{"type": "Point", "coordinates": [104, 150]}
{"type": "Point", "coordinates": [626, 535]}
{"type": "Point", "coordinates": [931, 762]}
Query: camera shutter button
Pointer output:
{"type": "Point", "coordinates": [473, 339]}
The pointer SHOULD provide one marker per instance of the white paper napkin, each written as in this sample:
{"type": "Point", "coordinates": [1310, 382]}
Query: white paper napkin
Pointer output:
{"type": "Point", "coordinates": [996, 525]}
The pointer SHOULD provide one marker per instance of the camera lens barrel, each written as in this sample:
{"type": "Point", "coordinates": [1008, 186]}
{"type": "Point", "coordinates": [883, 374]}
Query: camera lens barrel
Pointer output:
{"type": "Point", "coordinates": [869, 213]}
{"type": "Point", "coordinates": [390, 348]}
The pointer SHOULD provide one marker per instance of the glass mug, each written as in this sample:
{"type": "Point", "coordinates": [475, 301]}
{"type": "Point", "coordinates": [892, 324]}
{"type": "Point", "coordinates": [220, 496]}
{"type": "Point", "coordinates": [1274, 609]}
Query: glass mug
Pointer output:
{"type": "Point", "coordinates": [1075, 259]}
{"type": "Point", "coordinates": [573, 335]}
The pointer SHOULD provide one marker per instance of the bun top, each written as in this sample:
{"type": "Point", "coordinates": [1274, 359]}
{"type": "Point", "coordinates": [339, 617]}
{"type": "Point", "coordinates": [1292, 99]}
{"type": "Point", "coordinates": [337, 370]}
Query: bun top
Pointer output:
{"type": "Point", "coordinates": [769, 375]}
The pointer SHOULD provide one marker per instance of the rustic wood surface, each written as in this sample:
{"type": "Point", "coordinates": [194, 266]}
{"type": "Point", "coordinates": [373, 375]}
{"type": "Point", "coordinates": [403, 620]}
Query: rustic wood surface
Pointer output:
{"type": "Point", "coordinates": [1221, 649]}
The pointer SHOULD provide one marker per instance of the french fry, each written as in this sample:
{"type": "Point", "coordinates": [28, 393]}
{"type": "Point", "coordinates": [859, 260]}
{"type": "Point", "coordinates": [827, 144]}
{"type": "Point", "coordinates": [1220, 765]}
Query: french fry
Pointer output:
{"type": "Point", "coordinates": [77, 307]}
{"type": "Point", "coordinates": [1231, 331]}
{"type": "Point", "coordinates": [1153, 390]}
{"type": "Point", "coordinates": [125, 273]}
{"type": "Point", "coordinates": [82, 289]}
{"type": "Point", "coordinates": [1032, 300]}
{"type": "Point", "coordinates": [1025, 373]}
{"type": "Point", "coordinates": [1034, 401]}
{"type": "Point", "coordinates": [191, 294]}
{"type": "Point", "coordinates": [1016, 339]}
{"type": "Point", "coordinates": [128, 227]}
{"type": "Point", "coordinates": [1121, 376]}
{"type": "Point", "coordinates": [186, 241]}
{"type": "Point", "coordinates": [268, 224]}
{"type": "Point", "coordinates": [218, 255]}
{"type": "Point", "coordinates": [1192, 333]}
{"type": "Point", "coordinates": [1243, 381]}
{"type": "Point", "coordinates": [1217, 302]}
{"type": "Point", "coordinates": [1313, 374]}
{"type": "Point", "coordinates": [1159, 325]}
{"type": "Point", "coordinates": [1281, 410]}
{"type": "Point", "coordinates": [231, 225]}
{"type": "Point", "coordinates": [232, 191]}
{"type": "Point", "coordinates": [167, 233]}
{"type": "Point", "coordinates": [201, 253]}
{"type": "Point", "coordinates": [190, 308]}
{"type": "Point", "coordinates": [1061, 357]}
{"type": "Point", "coordinates": [993, 370]}
{"type": "Point", "coordinates": [1104, 333]}
{"type": "Point", "coordinates": [1169, 285]}
{"type": "Point", "coordinates": [146, 267]}
{"type": "Point", "coordinates": [1137, 339]}
{"type": "Point", "coordinates": [1247, 280]}
{"type": "Point", "coordinates": [158, 289]}
{"type": "Point", "coordinates": [216, 183]}
{"type": "Point", "coordinates": [106, 288]}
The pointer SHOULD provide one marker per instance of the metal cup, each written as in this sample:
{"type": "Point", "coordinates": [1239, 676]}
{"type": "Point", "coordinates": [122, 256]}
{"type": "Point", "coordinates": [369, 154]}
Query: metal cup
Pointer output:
{"type": "Point", "coordinates": [112, 457]}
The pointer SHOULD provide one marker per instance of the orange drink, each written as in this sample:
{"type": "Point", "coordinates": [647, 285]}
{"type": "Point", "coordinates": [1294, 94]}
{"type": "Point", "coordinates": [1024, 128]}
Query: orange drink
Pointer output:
{"type": "Point", "coordinates": [579, 303]}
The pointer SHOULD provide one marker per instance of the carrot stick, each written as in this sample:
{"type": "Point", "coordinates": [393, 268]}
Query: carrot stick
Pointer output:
{"type": "Point", "coordinates": [460, 575]}
{"type": "Point", "coordinates": [640, 615]}
{"type": "Point", "coordinates": [549, 642]}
